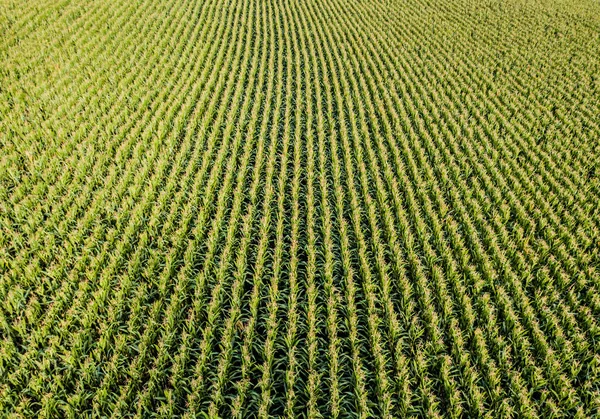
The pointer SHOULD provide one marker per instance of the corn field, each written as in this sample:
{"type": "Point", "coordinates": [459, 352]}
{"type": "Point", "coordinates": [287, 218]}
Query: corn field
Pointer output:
{"type": "Point", "coordinates": [300, 208]}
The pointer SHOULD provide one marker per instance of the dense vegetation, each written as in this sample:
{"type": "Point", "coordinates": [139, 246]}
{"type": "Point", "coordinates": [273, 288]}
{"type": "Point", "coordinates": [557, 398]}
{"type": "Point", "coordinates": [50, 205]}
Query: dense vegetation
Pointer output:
{"type": "Point", "coordinates": [317, 208]}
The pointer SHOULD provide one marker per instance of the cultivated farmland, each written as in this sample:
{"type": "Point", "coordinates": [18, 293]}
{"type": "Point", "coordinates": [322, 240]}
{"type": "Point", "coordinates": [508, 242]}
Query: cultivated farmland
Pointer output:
{"type": "Point", "coordinates": [334, 208]}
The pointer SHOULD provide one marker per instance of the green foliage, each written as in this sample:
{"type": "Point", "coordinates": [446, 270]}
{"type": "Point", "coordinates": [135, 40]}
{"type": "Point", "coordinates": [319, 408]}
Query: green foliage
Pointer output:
{"type": "Point", "coordinates": [234, 208]}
